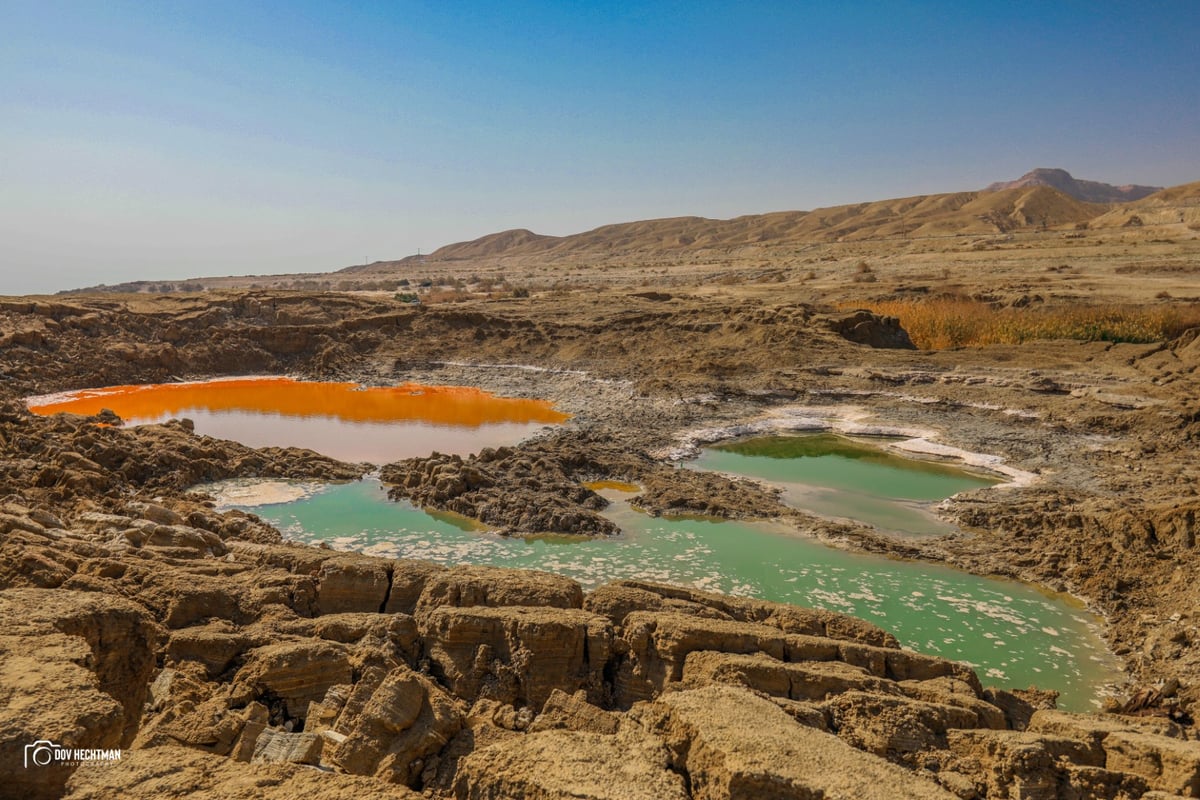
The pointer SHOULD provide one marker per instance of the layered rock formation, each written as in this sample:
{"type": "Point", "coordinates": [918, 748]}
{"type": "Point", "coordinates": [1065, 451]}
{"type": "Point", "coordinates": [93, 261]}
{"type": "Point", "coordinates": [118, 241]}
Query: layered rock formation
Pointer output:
{"type": "Point", "coordinates": [474, 682]}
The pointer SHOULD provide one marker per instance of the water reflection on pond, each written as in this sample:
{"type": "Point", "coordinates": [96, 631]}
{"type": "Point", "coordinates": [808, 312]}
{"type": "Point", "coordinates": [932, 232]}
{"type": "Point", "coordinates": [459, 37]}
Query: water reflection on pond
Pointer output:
{"type": "Point", "coordinates": [342, 420]}
{"type": "Point", "coordinates": [835, 476]}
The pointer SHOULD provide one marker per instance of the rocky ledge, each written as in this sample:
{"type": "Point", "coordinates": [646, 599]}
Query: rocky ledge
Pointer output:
{"type": "Point", "coordinates": [539, 486]}
{"type": "Point", "coordinates": [233, 668]}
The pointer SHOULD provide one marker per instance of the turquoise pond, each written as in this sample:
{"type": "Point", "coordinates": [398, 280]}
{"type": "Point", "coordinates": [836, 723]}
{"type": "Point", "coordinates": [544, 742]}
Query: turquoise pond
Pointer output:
{"type": "Point", "coordinates": [835, 476]}
{"type": "Point", "coordinates": [1015, 635]}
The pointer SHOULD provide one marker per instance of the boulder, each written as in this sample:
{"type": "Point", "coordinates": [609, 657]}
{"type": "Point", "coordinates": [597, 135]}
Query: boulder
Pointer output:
{"type": "Point", "coordinates": [735, 745]}
{"type": "Point", "coordinates": [392, 723]}
{"type": "Point", "coordinates": [659, 643]}
{"type": "Point", "coordinates": [1017, 710]}
{"type": "Point", "coordinates": [493, 586]}
{"type": "Point", "coordinates": [297, 673]}
{"type": "Point", "coordinates": [951, 691]}
{"type": "Point", "coordinates": [904, 665]}
{"type": "Point", "coordinates": [516, 654]}
{"type": "Point", "coordinates": [155, 513]}
{"type": "Point", "coordinates": [1095, 728]}
{"type": "Point", "coordinates": [895, 727]}
{"type": "Point", "coordinates": [570, 765]}
{"type": "Point", "coordinates": [619, 598]}
{"type": "Point", "coordinates": [349, 628]}
{"type": "Point", "coordinates": [183, 536]}
{"type": "Point", "coordinates": [1018, 763]}
{"type": "Point", "coordinates": [210, 725]}
{"type": "Point", "coordinates": [280, 747]}
{"type": "Point", "coordinates": [75, 670]}
{"type": "Point", "coordinates": [350, 583]}
{"type": "Point", "coordinates": [1094, 783]}
{"type": "Point", "coordinates": [1168, 765]}
{"type": "Point", "coordinates": [573, 712]}
{"type": "Point", "coordinates": [215, 646]}
{"type": "Point", "coordinates": [256, 718]}
{"type": "Point", "coordinates": [408, 582]}
{"type": "Point", "coordinates": [796, 681]}
{"type": "Point", "coordinates": [479, 733]}
{"type": "Point", "coordinates": [182, 772]}
{"type": "Point", "coordinates": [810, 715]}
{"type": "Point", "coordinates": [180, 603]}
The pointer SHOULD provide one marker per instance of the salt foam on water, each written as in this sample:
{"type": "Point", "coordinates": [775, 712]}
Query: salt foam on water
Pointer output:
{"type": "Point", "coordinates": [256, 492]}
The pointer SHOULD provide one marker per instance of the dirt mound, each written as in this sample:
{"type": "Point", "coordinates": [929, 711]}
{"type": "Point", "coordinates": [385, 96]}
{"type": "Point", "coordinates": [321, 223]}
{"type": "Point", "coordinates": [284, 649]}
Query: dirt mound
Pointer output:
{"type": "Point", "coordinates": [871, 329]}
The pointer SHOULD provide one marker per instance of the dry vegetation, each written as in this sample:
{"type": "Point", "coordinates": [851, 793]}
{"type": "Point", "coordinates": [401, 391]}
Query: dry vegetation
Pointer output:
{"type": "Point", "coordinates": [944, 322]}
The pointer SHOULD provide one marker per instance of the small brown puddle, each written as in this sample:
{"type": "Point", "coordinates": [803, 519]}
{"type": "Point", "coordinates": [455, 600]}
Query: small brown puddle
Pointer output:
{"type": "Point", "coordinates": [616, 486]}
{"type": "Point", "coordinates": [343, 420]}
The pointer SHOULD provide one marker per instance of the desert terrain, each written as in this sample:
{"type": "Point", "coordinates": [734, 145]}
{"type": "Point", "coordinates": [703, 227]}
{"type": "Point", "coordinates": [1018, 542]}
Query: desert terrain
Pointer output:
{"type": "Point", "coordinates": [228, 662]}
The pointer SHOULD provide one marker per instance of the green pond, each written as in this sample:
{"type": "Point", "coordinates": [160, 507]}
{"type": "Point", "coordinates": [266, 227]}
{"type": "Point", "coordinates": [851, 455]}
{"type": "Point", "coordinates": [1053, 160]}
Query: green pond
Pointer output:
{"type": "Point", "coordinates": [835, 476]}
{"type": "Point", "coordinates": [1015, 635]}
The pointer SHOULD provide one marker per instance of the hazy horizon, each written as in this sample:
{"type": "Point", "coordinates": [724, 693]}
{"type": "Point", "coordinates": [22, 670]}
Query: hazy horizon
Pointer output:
{"type": "Point", "coordinates": [171, 142]}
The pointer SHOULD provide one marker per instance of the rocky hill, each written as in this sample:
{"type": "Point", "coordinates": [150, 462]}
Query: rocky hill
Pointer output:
{"type": "Point", "coordinates": [1178, 206]}
{"type": "Point", "coordinates": [927, 215]}
{"type": "Point", "coordinates": [1041, 198]}
{"type": "Point", "coordinates": [1087, 191]}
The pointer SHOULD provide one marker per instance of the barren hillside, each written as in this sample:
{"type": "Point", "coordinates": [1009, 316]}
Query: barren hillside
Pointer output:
{"type": "Point", "coordinates": [1089, 191]}
{"type": "Point", "coordinates": [928, 215]}
{"type": "Point", "coordinates": [1179, 205]}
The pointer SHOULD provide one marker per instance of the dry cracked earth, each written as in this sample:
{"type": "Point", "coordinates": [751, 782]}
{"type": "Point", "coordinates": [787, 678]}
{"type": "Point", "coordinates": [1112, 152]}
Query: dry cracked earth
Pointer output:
{"type": "Point", "coordinates": [226, 662]}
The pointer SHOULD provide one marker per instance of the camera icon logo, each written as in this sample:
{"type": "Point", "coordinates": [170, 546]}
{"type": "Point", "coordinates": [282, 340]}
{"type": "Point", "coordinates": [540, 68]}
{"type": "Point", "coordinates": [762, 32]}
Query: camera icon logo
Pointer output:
{"type": "Point", "coordinates": [40, 753]}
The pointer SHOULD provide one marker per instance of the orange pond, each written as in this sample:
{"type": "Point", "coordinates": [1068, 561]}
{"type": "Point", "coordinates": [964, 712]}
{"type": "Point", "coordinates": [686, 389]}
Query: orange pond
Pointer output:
{"type": "Point", "coordinates": [343, 420]}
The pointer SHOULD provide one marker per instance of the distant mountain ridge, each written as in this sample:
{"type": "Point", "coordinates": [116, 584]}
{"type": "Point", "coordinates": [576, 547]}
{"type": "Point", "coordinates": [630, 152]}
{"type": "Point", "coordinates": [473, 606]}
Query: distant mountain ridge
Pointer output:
{"type": "Point", "coordinates": [1043, 198]}
{"type": "Point", "coordinates": [1035, 207]}
{"type": "Point", "coordinates": [1087, 191]}
{"type": "Point", "coordinates": [971, 213]}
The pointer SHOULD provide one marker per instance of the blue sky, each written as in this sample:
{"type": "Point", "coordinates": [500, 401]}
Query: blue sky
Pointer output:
{"type": "Point", "coordinates": [168, 140]}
